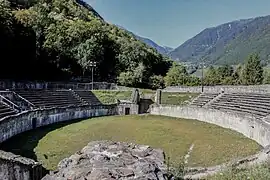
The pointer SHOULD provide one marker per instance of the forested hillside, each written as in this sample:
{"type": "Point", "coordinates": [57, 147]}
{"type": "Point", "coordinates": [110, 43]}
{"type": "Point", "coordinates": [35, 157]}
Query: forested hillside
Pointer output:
{"type": "Point", "coordinates": [151, 43]}
{"type": "Point", "coordinates": [57, 39]}
{"type": "Point", "coordinates": [229, 43]}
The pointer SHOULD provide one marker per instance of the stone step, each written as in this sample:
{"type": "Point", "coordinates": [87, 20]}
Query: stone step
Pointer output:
{"type": "Point", "coordinates": [220, 107]}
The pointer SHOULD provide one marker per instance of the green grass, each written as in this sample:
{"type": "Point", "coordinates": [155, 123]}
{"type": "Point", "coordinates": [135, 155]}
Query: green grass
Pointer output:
{"type": "Point", "coordinates": [109, 96]}
{"type": "Point", "coordinates": [212, 144]}
{"type": "Point", "coordinates": [259, 172]}
{"type": "Point", "coordinates": [177, 98]}
{"type": "Point", "coordinates": [174, 98]}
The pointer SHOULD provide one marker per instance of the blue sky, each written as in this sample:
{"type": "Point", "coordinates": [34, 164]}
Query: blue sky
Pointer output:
{"type": "Point", "coordinates": [171, 22]}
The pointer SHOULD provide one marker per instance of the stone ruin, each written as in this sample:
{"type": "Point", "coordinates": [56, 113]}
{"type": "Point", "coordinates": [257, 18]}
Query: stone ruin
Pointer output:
{"type": "Point", "coordinates": [112, 160]}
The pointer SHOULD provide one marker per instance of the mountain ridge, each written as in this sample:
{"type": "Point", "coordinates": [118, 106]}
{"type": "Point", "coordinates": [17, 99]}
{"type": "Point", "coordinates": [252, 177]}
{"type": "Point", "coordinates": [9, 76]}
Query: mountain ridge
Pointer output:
{"type": "Point", "coordinates": [226, 43]}
{"type": "Point", "coordinates": [161, 49]}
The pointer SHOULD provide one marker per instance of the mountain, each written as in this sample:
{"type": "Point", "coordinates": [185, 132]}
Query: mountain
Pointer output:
{"type": "Point", "coordinates": [228, 43]}
{"type": "Point", "coordinates": [168, 49]}
{"type": "Point", "coordinates": [149, 42]}
{"type": "Point", "coordinates": [162, 50]}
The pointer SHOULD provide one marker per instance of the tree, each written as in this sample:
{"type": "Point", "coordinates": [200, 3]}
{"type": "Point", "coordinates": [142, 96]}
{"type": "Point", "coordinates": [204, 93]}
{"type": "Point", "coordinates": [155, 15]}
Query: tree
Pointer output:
{"type": "Point", "coordinates": [193, 81]}
{"type": "Point", "coordinates": [126, 79]}
{"type": "Point", "coordinates": [237, 75]}
{"type": "Point", "coordinates": [228, 80]}
{"type": "Point", "coordinates": [63, 36]}
{"type": "Point", "coordinates": [132, 77]}
{"type": "Point", "coordinates": [225, 71]}
{"type": "Point", "coordinates": [87, 52]}
{"type": "Point", "coordinates": [156, 82]}
{"type": "Point", "coordinates": [176, 75]}
{"type": "Point", "coordinates": [211, 77]}
{"type": "Point", "coordinates": [266, 76]}
{"type": "Point", "coordinates": [253, 70]}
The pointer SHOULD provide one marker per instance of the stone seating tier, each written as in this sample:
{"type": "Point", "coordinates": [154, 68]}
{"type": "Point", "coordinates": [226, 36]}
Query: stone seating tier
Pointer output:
{"type": "Point", "coordinates": [250, 103]}
{"type": "Point", "coordinates": [6, 111]}
{"type": "Point", "coordinates": [246, 103]}
{"type": "Point", "coordinates": [204, 99]}
{"type": "Point", "coordinates": [49, 98]}
{"type": "Point", "coordinates": [88, 97]}
{"type": "Point", "coordinates": [239, 110]}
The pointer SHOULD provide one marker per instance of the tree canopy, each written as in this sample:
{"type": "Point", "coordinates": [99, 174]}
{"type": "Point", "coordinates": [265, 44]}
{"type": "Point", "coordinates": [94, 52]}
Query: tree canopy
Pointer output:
{"type": "Point", "coordinates": [63, 36]}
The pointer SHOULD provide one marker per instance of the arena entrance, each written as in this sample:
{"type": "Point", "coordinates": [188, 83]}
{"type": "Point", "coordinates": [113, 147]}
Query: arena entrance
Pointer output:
{"type": "Point", "coordinates": [127, 111]}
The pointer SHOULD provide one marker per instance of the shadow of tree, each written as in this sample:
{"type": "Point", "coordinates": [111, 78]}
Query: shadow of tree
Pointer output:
{"type": "Point", "coordinates": [24, 144]}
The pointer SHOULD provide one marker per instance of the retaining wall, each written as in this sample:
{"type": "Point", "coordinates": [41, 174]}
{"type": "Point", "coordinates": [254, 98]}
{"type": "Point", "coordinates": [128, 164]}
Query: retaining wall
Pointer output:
{"type": "Point", "coordinates": [14, 167]}
{"type": "Point", "coordinates": [54, 85]}
{"type": "Point", "coordinates": [19, 168]}
{"type": "Point", "coordinates": [256, 129]}
{"type": "Point", "coordinates": [217, 89]}
{"type": "Point", "coordinates": [252, 128]}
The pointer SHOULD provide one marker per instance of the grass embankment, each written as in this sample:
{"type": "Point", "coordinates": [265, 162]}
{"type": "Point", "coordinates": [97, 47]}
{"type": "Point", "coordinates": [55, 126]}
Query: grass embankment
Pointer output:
{"type": "Point", "coordinates": [174, 98]}
{"type": "Point", "coordinates": [109, 96]}
{"type": "Point", "coordinates": [177, 98]}
{"type": "Point", "coordinates": [212, 144]}
{"type": "Point", "coordinates": [260, 172]}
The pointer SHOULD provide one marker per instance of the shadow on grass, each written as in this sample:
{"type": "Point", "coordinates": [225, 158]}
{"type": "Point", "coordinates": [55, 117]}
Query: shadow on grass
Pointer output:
{"type": "Point", "coordinates": [24, 144]}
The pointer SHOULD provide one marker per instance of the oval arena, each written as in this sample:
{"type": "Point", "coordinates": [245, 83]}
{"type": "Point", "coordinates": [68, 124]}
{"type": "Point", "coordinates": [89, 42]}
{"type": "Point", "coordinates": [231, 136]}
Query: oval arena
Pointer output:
{"type": "Point", "coordinates": [30, 106]}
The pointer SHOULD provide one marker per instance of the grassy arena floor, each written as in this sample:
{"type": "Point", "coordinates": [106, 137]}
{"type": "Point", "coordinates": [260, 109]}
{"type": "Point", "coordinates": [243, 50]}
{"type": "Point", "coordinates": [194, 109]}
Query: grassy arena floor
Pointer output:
{"type": "Point", "coordinates": [212, 144]}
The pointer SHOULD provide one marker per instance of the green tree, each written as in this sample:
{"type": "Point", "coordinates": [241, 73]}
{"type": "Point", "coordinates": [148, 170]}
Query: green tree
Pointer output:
{"type": "Point", "coordinates": [88, 52]}
{"type": "Point", "coordinates": [126, 78]}
{"type": "Point", "coordinates": [228, 80]}
{"type": "Point", "coordinates": [132, 77]}
{"type": "Point", "coordinates": [193, 81]}
{"type": "Point", "coordinates": [211, 77]}
{"type": "Point", "coordinates": [253, 71]}
{"type": "Point", "coordinates": [266, 76]}
{"type": "Point", "coordinates": [237, 75]}
{"type": "Point", "coordinates": [177, 75]}
{"type": "Point", "coordinates": [225, 71]}
{"type": "Point", "coordinates": [65, 35]}
{"type": "Point", "coordinates": [156, 82]}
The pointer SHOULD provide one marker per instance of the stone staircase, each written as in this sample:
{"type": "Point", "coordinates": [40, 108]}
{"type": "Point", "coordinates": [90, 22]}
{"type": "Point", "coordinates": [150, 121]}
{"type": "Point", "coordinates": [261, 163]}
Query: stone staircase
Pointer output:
{"type": "Point", "coordinates": [256, 105]}
{"type": "Point", "coordinates": [203, 99]}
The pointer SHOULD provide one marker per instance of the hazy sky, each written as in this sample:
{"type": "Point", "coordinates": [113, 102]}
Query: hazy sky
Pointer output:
{"type": "Point", "coordinates": [171, 22]}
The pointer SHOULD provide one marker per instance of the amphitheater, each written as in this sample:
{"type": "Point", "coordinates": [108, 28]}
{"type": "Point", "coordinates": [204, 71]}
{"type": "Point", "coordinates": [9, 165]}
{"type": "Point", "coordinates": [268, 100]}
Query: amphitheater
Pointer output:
{"type": "Point", "coordinates": [26, 106]}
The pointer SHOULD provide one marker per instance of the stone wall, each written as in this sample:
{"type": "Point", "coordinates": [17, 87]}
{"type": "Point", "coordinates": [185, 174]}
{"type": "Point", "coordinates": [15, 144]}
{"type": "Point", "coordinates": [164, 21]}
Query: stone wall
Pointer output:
{"type": "Point", "coordinates": [255, 129]}
{"type": "Point", "coordinates": [19, 168]}
{"type": "Point", "coordinates": [55, 85]}
{"type": "Point", "coordinates": [14, 167]}
{"type": "Point", "coordinates": [217, 89]}
{"type": "Point", "coordinates": [128, 108]}
{"type": "Point", "coordinates": [252, 128]}
{"type": "Point", "coordinates": [13, 125]}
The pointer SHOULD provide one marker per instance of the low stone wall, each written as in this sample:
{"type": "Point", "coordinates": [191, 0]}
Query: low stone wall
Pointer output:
{"type": "Point", "coordinates": [128, 108]}
{"type": "Point", "coordinates": [19, 168]}
{"type": "Point", "coordinates": [217, 89]}
{"type": "Point", "coordinates": [14, 167]}
{"type": "Point", "coordinates": [6, 84]}
{"type": "Point", "coordinates": [252, 128]}
{"type": "Point", "coordinates": [255, 129]}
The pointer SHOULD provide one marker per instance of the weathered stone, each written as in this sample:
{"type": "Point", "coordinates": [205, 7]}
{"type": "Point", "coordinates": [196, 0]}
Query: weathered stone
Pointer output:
{"type": "Point", "coordinates": [112, 160]}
